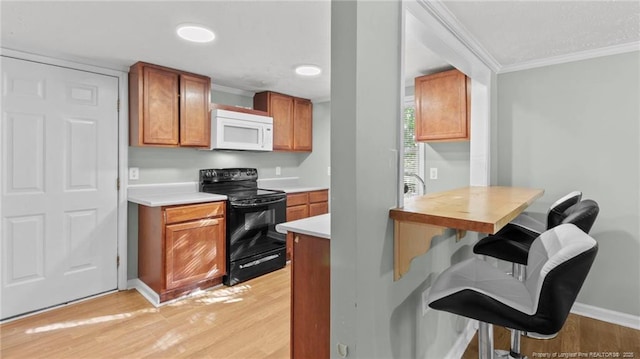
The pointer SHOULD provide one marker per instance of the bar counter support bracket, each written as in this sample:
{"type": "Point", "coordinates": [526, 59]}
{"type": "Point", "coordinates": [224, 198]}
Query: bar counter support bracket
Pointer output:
{"type": "Point", "coordinates": [411, 239]}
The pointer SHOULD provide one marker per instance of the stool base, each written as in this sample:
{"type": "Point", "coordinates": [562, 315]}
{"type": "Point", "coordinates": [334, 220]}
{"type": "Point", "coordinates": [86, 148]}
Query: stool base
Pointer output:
{"type": "Point", "coordinates": [540, 336]}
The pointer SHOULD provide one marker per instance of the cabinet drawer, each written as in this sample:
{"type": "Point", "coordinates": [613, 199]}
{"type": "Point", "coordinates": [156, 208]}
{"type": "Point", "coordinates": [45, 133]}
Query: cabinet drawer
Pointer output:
{"type": "Point", "coordinates": [318, 196]}
{"type": "Point", "coordinates": [193, 211]}
{"type": "Point", "coordinates": [297, 199]}
{"type": "Point", "coordinates": [319, 208]}
{"type": "Point", "coordinates": [297, 212]}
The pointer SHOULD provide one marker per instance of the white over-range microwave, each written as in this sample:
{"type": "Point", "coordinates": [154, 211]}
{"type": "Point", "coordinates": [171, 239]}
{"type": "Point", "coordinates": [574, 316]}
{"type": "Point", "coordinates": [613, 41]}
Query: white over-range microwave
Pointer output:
{"type": "Point", "coordinates": [232, 130]}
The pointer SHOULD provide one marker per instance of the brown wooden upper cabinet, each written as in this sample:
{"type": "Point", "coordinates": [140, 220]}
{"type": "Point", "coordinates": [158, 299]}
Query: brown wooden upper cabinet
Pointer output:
{"type": "Point", "coordinates": [442, 107]}
{"type": "Point", "coordinates": [168, 107]}
{"type": "Point", "coordinates": [292, 120]}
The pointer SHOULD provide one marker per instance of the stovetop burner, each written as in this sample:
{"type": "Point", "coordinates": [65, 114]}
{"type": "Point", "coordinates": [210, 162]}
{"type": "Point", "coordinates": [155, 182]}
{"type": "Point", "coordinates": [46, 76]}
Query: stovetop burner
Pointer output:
{"type": "Point", "coordinates": [235, 183]}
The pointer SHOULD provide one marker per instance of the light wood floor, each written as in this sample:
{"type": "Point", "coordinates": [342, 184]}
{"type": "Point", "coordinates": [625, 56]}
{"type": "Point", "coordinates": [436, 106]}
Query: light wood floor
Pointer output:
{"type": "Point", "coordinates": [580, 337]}
{"type": "Point", "coordinates": [250, 320]}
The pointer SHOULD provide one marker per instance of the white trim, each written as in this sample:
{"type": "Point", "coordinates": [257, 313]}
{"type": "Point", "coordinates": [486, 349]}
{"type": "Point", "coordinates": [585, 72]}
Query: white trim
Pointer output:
{"type": "Point", "coordinates": [232, 90]}
{"type": "Point", "coordinates": [144, 290]}
{"type": "Point", "coordinates": [585, 310]}
{"type": "Point", "coordinates": [123, 175]}
{"type": "Point", "coordinates": [430, 26]}
{"type": "Point", "coordinates": [153, 297]}
{"type": "Point", "coordinates": [461, 344]}
{"type": "Point", "coordinates": [480, 144]}
{"type": "Point", "coordinates": [321, 99]}
{"type": "Point", "coordinates": [441, 13]}
{"type": "Point", "coordinates": [48, 309]}
{"type": "Point", "coordinates": [403, 99]}
{"type": "Point", "coordinates": [123, 140]}
{"type": "Point", "coordinates": [576, 56]}
{"type": "Point", "coordinates": [72, 63]}
{"type": "Point", "coordinates": [606, 315]}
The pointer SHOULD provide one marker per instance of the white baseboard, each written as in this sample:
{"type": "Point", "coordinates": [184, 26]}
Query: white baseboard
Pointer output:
{"type": "Point", "coordinates": [606, 315]}
{"type": "Point", "coordinates": [148, 293]}
{"type": "Point", "coordinates": [585, 310]}
{"type": "Point", "coordinates": [463, 340]}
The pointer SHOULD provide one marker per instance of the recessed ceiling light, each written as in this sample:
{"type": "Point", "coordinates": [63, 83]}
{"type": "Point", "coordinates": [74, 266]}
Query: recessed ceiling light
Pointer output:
{"type": "Point", "coordinates": [308, 70]}
{"type": "Point", "coordinates": [195, 33]}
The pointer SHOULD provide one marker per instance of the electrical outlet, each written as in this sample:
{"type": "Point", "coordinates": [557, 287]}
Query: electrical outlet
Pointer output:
{"type": "Point", "coordinates": [433, 173]}
{"type": "Point", "coordinates": [278, 171]}
{"type": "Point", "coordinates": [425, 305]}
{"type": "Point", "coordinates": [134, 173]}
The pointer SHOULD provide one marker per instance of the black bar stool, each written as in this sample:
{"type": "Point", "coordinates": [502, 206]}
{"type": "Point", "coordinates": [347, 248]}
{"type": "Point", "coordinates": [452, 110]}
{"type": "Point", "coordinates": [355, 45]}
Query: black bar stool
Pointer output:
{"type": "Point", "coordinates": [558, 263]}
{"type": "Point", "coordinates": [512, 243]}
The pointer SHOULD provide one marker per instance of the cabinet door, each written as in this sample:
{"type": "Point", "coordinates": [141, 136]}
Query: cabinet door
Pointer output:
{"type": "Point", "coordinates": [316, 209]}
{"type": "Point", "coordinates": [302, 125]}
{"type": "Point", "coordinates": [281, 109]}
{"type": "Point", "coordinates": [310, 298]}
{"type": "Point", "coordinates": [160, 107]}
{"type": "Point", "coordinates": [194, 251]}
{"type": "Point", "coordinates": [195, 120]}
{"type": "Point", "coordinates": [441, 107]}
{"type": "Point", "coordinates": [294, 213]}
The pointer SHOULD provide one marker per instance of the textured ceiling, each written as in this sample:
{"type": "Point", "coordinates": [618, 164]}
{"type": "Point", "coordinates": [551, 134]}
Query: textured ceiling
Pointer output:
{"type": "Point", "coordinates": [515, 32]}
{"type": "Point", "coordinates": [259, 42]}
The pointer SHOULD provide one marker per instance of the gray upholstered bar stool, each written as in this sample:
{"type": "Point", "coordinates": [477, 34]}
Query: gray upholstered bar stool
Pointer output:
{"type": "Point", "coordinates": [513, 241]}
{"type": "Point", "coordinates": [558, 263]}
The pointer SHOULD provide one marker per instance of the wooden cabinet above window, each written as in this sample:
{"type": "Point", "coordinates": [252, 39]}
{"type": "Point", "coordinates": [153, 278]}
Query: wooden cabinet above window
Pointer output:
{"type": "Point", "coordinates": [292, 120]}
{"type": "Point", "coordinates": [168, 107]}
{"type": "Point", "coordinates": [442, 107]}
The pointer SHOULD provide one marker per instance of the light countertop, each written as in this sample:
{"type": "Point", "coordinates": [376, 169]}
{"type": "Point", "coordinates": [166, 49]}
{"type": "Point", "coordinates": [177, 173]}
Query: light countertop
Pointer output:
{"type": "Point", "coordinates": [288, 185]}
{"type": "Point", "coordinates": [299, 189]}
{"type": "Point", "coordinates": [317, 226]}
{"type": "Point", "coordinates": [156, 195]}
{"type": "Point", "coordinates": [478, 209]}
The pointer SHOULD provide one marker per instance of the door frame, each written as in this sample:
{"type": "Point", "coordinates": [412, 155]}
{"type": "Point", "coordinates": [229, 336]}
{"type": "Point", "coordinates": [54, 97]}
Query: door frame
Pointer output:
{"type": "Point", "coordinates": [432, 24]}
{"type": "Point", "coordinates": [123, 143]}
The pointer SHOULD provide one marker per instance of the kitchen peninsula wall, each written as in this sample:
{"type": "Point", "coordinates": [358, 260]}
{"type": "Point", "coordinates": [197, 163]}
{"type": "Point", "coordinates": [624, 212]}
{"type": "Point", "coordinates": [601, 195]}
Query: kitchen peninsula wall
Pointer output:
{"type": "Point", "coordinates": [167, 165]}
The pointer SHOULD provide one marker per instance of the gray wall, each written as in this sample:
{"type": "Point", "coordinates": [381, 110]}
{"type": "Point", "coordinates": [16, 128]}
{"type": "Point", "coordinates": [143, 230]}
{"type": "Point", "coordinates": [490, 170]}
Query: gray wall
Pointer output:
{"type": "Point", "coordinates": [575, 126]}
{"type": "Point", "coordinates": [375, 316]}
{"type": "Point", "coordinates": [166, 165]}
{"type": "Point", "coordinates": [452, 159]}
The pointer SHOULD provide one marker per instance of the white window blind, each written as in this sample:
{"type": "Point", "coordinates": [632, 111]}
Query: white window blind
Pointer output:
{"type": "Point", "coordinates": [413, 153]}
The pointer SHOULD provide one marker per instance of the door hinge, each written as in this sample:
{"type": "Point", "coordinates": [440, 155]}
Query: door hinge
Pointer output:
{"type": "Point", "coordinates": [118, 261]}
{"type": "Point", "coordinates": [118, 105]}
{"type": "Point", "coordinates": [118, 183]}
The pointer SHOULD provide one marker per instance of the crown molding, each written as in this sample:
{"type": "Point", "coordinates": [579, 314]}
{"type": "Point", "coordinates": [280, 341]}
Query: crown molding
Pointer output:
{"type": "Point", "coordinates": [231, 90]}
{"type": "Point", "coordinates": [441, 13]}
{"type": "Point", "coordinates": [576, 56]}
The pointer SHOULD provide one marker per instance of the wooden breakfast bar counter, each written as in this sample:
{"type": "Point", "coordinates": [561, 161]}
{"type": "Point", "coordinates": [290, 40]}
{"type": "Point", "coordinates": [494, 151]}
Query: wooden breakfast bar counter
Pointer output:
{"type": "Point", "coordinates": [478, 209]}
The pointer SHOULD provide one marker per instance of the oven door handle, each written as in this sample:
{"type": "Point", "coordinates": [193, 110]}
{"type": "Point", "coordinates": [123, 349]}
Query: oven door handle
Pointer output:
{"type": "Point", "coordinates": [250, 205]}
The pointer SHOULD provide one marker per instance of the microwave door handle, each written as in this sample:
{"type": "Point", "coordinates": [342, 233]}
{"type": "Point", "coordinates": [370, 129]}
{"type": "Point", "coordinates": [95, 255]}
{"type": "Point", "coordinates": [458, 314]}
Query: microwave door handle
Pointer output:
{"type": "Point", "coordinates": [264, 136]}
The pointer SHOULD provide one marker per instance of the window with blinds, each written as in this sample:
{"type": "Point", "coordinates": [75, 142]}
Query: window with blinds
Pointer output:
{"type": "Point", "coordinates": [413, 153]}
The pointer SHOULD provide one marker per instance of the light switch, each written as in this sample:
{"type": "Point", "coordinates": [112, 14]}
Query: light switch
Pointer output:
{"type": "Point", "coordinates": [433, 173]}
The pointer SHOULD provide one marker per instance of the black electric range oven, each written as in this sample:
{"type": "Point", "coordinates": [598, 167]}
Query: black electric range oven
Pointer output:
{"type": "Point", "coordinates": [253, 247]}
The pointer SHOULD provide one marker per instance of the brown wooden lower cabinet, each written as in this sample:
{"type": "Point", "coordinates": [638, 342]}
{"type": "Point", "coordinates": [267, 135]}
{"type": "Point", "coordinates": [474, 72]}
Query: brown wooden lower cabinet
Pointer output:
{"type": "Point", "coordinates": [302, 205]}
{"type": "Point", "coordinates": [310, 297]}
{"type": "Point", "coordinates": [181, 248]}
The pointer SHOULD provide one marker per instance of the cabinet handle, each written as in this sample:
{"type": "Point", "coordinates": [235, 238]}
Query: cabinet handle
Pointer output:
{"type": "Point", "coordinates": [296, 239]}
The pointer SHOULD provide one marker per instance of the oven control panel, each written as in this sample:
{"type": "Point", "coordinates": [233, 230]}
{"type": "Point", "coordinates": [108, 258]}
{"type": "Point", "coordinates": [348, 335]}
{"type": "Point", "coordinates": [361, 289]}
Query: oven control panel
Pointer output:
{"type": "Point", "coordinates": [228, 174]}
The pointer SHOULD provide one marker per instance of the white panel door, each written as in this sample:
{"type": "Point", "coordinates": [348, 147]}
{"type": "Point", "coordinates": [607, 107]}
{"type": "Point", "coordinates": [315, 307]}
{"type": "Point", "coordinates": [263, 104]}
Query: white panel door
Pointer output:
{"type": "Point", "coordinates": [59, 198]}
